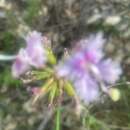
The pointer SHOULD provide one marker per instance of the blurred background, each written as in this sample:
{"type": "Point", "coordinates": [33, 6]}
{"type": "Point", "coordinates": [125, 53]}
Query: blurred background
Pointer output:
{"type": "Point", "coordinates": [63, 21]}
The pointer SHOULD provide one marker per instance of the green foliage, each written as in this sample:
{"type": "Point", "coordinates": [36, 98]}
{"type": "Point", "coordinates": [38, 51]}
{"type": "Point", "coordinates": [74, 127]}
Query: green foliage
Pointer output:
{"type": "Point", "coordinates": [31, 12]}
{"type": "Point", "coordinates": [7, 79]}
{"type": "Point", "coordinates": [7, 42]}
{"type": "Point", "coordinates": [95, 124]}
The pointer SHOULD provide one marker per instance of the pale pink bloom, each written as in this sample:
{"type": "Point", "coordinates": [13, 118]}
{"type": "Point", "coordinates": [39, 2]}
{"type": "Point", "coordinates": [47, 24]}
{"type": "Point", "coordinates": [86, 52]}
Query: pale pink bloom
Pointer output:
{"type": "Point", "coordinates": [35, 49]}
{"type": "Point", "coordinates": [33, 55]}
{"type": "Point", "coordinates": [109, 70]}
{"type": "Point", "coordinates": [87, 69]}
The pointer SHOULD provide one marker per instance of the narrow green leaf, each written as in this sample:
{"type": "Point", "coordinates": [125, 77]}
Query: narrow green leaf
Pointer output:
{"type": "Point", "coordinates": [48, 84]}
{"type": "Point", "coordinates": [52, 93]}
{"type": "Point", "coordinates": [42, 74]}
{"type": "Point", "coordinates": [48, 69]}
{"type": "Point", "coordinates": [44, 89]}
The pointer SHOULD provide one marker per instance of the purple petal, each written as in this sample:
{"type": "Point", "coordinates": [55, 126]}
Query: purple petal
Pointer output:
{"type": "Point", "coordinates": [93, 47]}
{"type": "Point", "coordinates": [62, 70]}
{"type": "Point", "coordinates": [109, 70]}
{"type": "Point", "coordinates": [20, 66]}
{"type": "Point", "coordinates": [37, 56]}
{"type": "Point", "coordinates": [35, 49]}
{"type": "Point", "coordinates": [96, 42]}
{"type": "Point", "coordinates": [34, 38]}
{"type": "Point", "coordinates": [87, 89]}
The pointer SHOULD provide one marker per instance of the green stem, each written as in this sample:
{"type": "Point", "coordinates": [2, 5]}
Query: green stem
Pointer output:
{"type": "Point", "coordinates": [58, 118]}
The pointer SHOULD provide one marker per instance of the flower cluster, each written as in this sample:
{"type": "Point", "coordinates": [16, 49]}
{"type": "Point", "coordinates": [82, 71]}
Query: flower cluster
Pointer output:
{"type": "Point", "coordinates": [32, 55]}
{"type": "Point", "coordinates": [88, 70]}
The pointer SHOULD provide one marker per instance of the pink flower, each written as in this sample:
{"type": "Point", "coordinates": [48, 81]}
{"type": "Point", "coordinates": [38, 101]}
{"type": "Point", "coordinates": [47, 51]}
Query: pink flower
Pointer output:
{"type": "Point", "coordinates": [32, 55]}
{"type": "Point", "coordinates": [87, 69]}
{"type": "Point", "coordinates": [35, 49]}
